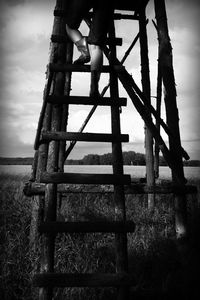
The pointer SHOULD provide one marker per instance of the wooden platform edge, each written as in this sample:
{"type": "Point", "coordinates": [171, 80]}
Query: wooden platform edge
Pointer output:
{"type": "Point", "coordinates": [83, 280]}
{"type": "Point", "coordinates": [34, 188]}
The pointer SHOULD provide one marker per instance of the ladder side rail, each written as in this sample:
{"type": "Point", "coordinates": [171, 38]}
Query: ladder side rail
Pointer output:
{"type": "Point", "coordinates": [65, 107]}
{"type": "Point", "coordinates": [43, 110]}
{"type": "Point", "coordinates": [37, 209]}
{"type": "Point", "coordinates": [44, 118]}
{"type": "Point", "coordinates": [40, 161]}
{"type": "Point", "coordinates": [117, 162]}
{"type": "Point", "coordinates": [34, 167]}
{"type": "Point", "coordinates": [165, 51]}
{"type": "Point", "coordinates": [158, 110]}
{"type": "Point", "coordinates": [146, 87]}
{"type": "Point", "coordinates": [48, 242]}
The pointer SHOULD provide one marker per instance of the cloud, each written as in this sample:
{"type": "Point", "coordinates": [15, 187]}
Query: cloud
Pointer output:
{"type": "Point", "coordinates": [25, 2]}
{"type": "Point", "coordinates": [12, 146]}
{"type": "Point", "coordinates": [12, 2]}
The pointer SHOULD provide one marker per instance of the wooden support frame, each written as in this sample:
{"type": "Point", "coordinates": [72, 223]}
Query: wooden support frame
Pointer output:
{"type": "Point", "coordinates": [141, 104]}
{"type": "Point", "coordinates": [166, 65]}
{"type": "Point", "coordinates": [158, 110]}
{"type": "Point", "coordinates": [147, 92]}
{"type": "Point", "coordinates": [65, 107]}
{"type": "Point", "coordinates": [135, 187]}
{"type": "Point", "coordinates": [54, 153]}
{"type": "Point", "coordinates": [119, 196]}
{"type": "Point", "coordinates": [49, 158]}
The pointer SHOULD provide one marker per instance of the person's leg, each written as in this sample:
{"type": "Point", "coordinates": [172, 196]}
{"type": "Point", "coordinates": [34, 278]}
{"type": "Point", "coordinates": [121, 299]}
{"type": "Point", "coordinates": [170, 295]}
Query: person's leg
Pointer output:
{"type": "Point", "coordinates": [96, 64]}
{"type": "Point", "coordinates": [81, 43]}
{"type": "Point", "coordinates": [74, 34]}
{"type": "Point", "coordinates": [76, 12]}
{"type": "Point", "coordinates": [96, 57]}
{"type": "Point", "coordinates": [102, 14]}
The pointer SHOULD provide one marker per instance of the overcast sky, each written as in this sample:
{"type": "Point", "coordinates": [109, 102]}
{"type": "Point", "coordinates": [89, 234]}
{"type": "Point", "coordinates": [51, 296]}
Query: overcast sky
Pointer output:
{"type": "Point", "coordinates": [25, 31]}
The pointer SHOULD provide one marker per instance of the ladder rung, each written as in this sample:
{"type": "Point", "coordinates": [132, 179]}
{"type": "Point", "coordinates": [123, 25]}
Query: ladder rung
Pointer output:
{"type": "Point", "coordinates": [86, 227]}
{"type": "Point", "coordinates": [64, 39]}
{"type": "Point", "coordinates": [84, 178]}
{"type": "Point", "coordinates": [83, 280]}
{"type": "Point", "coordinates": [83, 137]}
{"type": "Point", "coordinates": [117, 16]}
{"type": "Point", "coordinates": [79, 68]}
{"type": "Point", "coordinates": [36, 188]}
{"type": "Point", "coordinates": [84, 100]}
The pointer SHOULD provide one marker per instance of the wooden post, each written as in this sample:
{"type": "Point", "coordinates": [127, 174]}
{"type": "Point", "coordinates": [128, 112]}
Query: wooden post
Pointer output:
{"type": "Point", "coordinates": [158, 110]}
{"type": "Point", "coordinates": [165, 54]}
{"type": "Point", "coordinates": [39, 166]}
{"type": "Point", "coordinates": [147, 91]}
{"type": "Point", "coordinates": [58, 53]}
{"type": "Point", "coordinates": [65, 113]}
{"type": "Point", "coordinates": [119, 197]}
{"type": "Point", "coordinates": [65, 107]}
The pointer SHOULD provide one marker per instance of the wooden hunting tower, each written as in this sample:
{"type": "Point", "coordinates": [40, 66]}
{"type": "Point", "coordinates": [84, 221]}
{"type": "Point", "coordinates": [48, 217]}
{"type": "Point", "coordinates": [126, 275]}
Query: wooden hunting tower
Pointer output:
{"type": "Point", "coordinates": [53, 144]}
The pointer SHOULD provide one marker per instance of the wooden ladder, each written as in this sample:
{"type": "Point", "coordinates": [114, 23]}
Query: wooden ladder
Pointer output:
{"type": "Point", "coordinates": [50, 155]}
{"type": "Point", "coordinates": [50, 144]}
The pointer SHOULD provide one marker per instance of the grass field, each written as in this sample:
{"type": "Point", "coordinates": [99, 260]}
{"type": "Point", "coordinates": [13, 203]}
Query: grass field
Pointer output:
{"type": "Point", "coordinates": [154, 260]}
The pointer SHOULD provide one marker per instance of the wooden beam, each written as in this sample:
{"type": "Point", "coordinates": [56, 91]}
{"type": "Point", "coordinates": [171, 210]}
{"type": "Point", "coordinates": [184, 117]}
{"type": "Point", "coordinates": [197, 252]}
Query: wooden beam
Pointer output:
{"type": "Point", "coordinates": [75, 68]}
{"type": "Point", "coordinates": [84, 137]}
{"type": "Point", "coordinates": [64, 39]}
{"type": "Point", "coordinates": [85, 178]}
{"type": "Point", "coordinates": [34, 188]}
{"type": "Point", "coordinates": [117, 16]}
{"type": "Point", "coordinates": [121, 247]}
{"type": "Point", "coordinates": [58, 54]}
{"type": "Point", "coordinates": [166, 64]}
{"type": "Point", "coordinates": [84, 100]}
{"type": "Point", "coordinates": [146, 88]}
{"type": "Point", "coordinates": [158, 110]}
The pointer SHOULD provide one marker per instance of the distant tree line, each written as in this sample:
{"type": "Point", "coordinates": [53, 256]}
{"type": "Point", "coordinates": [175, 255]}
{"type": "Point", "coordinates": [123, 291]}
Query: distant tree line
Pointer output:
{"type": "Point", "coordinates": [129, 158]}
{"type": "Point", "coordinates": [16, 160]}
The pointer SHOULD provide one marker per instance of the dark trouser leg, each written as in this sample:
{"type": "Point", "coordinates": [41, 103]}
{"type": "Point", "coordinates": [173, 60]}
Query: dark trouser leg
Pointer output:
{"type": "Point", "coordinates": [96, 65]}
{"type": "Point", "coordinates": [94, 84]}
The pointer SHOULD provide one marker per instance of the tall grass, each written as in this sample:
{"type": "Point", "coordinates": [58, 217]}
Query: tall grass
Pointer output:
{"type": "Point", "coordinates": [153, 256]}
{"type": "Point", "coordinates": [15, 221]}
